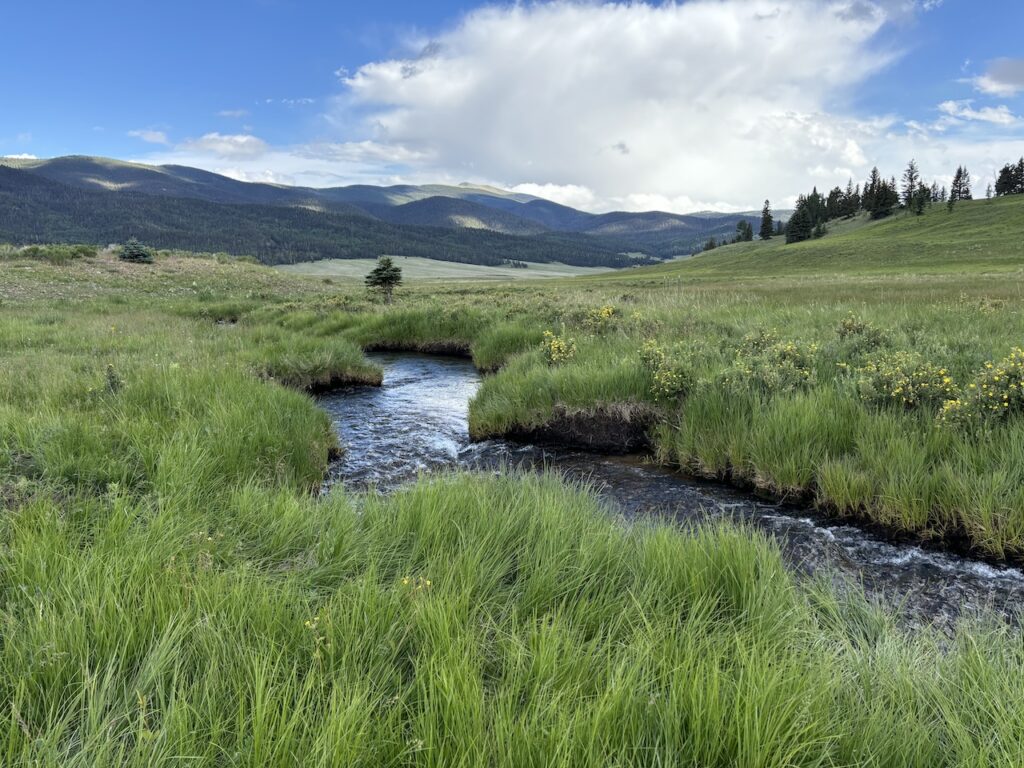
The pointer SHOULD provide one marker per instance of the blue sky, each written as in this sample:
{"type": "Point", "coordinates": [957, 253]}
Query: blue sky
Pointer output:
{"type": "Point", "coordinates": [708, 103]}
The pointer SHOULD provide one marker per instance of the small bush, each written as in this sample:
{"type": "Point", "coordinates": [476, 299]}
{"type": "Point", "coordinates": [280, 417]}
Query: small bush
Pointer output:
{"type": "Point", "coordinates": [996, 392]}
{"type": "Point", "coordinates": [864, 334]}
{"type": "Point", "coordinates": [904, 379]}
{"type": "Point", "coordinates": [601, 319]}
{"type": "Point", "coordinates": [670, 378]}
{"type": "Point", "coordinates": [136, 252]}
{"type": "Point", "coordinates": [557, 349]}
{"type": "Point", "coordinates": [770, 366]}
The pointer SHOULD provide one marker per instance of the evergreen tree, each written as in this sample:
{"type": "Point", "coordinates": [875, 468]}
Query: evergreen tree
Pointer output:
{"type": "Point", "coordinates": [911, 180]}
{"type": "Point", "coordinates": [385, 277]}
{"type": "Point", "coordinates": [851, 200]}
{"type": "Point", "coordinates": [766, 222]}
{"type": "Point", "coordinates": [961, 189]}
{"type": "Point", "coordinates": [800, 226]}
{"type": "Point", "coordinates": [744, 231]}
{"type": "Point", "coordinates": [135, 251]}
{"type": "Point", "coordinates": [922, 199]}
{"type": "Point", "coordinates": [871, 189]}
{"type": "Point", "coordinates": [1010, 180]}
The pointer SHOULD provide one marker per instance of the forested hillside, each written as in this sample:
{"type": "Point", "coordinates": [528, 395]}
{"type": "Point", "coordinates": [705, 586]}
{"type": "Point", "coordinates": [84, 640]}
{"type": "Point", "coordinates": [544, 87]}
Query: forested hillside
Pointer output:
{"type": "Point", "coordinates": [36, 210]}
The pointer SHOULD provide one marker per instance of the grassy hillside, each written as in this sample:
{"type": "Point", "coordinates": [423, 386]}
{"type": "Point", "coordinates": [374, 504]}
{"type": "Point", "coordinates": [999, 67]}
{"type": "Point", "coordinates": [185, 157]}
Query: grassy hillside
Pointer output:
{"type": "Point", "coordinates": [173, 592]}
{"type": "Point", "coordinates": [977, 235]}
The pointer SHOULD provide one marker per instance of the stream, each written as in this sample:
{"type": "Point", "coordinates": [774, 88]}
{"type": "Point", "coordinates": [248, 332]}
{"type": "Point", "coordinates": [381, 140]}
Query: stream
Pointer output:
{"type": "Point", "coordinates": [416, 422]}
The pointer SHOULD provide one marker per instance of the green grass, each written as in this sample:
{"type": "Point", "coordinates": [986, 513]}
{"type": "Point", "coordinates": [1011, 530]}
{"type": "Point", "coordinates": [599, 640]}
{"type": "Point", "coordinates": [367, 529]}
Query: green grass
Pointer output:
{"type": "Point", "coordinates": [982, 235]}
{"type": "Point", "coordinates": [173, 592]}
{"type": "Point", "coordinates": [416, 268]}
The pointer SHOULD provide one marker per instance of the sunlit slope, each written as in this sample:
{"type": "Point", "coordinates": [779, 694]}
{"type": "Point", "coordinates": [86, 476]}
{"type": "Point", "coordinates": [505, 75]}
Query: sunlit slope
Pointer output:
{"type": "Point", "coordinates": [982, 235]}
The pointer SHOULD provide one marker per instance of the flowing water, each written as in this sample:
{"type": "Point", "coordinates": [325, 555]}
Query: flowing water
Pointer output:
{"type": "Point", "coordinates": [416, 422]}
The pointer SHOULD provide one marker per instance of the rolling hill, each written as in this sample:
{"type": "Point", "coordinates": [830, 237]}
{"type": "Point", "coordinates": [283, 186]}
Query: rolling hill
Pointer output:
{"type": "Point", "coordinates": [103, 200]}
{"type": "Point", "coordinates": [977, 236]}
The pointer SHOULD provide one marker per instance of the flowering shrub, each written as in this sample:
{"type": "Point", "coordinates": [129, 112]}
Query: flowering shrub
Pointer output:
{"type": "Point", "coordinates": [669, 379]}
{"type": "Point", "coordinates": [904, 379]}
{"type": "Point", "coordinates": [997, 391]}
{"type": "Point", "coordinates": [859, 333]}
{"type": "Point", "coordinates": [766, 364]}
{"type": "Point", "coordinates": [600, 320]}
{"type": "Point", "coordinates": [557, 349]}
{"type": "Point", "coordinates": [758, 341]}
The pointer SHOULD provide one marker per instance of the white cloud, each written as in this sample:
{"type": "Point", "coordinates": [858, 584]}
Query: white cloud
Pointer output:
{"type": "Point", "coordinates": [964, 110]}
{"type": "Point", "coordinates": [233, 113]}
{"type": "Point", "coordinates": [20, 156]}
{"type": "Point", "coordinates": [572, 195]}
{"type": "Point", "coordinates": [1005, 77]}
{"type": "Point", "coordinates": [149, 136]}
{"type": "Point", "coordinates": [676, 104]}
{"type": "Point", "coordinates": [679, 106]}
{"type": "Point", "coordinates": [226, 145]}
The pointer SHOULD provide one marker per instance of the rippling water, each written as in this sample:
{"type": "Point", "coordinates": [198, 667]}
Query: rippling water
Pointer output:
{"type": "Point", "coordinates": [417, 422]}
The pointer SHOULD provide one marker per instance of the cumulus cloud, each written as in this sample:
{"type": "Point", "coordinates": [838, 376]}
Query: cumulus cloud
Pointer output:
{"type": "Point", "coordinates": [20, 156]}
{"type": "Point", "coordinates": [679, 106]}
{"type": "Point", "coordinates": [700, 102]}
{"type": "Point", "coordinates": [1005, 77]}
{"type": "Point", "coordinates": [226, 145]}
{"type": "Point", "coordinates": [149, 136]}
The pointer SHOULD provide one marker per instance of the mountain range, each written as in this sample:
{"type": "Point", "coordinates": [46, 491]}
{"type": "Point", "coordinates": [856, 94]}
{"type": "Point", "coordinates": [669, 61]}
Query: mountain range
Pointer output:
{"type": "Point", "coordinates": [88, 199]}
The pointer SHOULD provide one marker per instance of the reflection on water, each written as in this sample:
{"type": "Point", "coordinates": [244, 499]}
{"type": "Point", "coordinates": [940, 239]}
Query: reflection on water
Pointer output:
{"type": "Point", "coordinates": [417, 422]}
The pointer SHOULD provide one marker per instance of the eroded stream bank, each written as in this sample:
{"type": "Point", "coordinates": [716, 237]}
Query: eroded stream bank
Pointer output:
{"type": "Point", "coordinates": [417, 422]}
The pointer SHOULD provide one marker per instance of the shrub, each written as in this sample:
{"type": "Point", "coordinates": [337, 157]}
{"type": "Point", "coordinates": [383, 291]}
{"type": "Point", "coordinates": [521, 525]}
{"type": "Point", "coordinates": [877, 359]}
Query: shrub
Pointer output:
{"type": "Point", "coordinates": [557, 349]}
{"type": "Point", "coordinates": [904, 379]}
{"type": "Point", "coordinates": [136, 252]}
{"type": "Point", "coordinates": [770, 366]}
{"type": "Point", "coordinates": [864, 334]}
{"type": "Point", "coordinates": [599, 320]}
{"type": "Point", "coordinates": [670, 379]}
{"type": "Point", "coordinates": [996, 392]}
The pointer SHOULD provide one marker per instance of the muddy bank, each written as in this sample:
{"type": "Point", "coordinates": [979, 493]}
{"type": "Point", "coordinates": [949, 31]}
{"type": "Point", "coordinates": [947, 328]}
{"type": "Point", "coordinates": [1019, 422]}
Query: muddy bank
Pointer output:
{"type": "Point", "coordinates": [613, 430]}
{"type": "Point", "coordinates": [446, 348]}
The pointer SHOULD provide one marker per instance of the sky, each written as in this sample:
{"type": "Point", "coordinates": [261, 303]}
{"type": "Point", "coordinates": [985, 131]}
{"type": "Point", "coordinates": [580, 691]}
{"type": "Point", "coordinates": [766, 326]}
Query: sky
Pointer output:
{"type": "Point", "coordinates": [703, 104]}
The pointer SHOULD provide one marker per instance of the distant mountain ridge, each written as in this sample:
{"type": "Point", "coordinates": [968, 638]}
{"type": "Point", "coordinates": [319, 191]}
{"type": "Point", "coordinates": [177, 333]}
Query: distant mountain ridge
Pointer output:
{"type": "Point", "coordinates": [357, 220]}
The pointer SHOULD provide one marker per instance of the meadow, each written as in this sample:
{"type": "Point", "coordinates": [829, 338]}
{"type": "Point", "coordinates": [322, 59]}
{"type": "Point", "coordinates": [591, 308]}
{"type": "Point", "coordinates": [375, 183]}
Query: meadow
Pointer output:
{"type": "Point", "coordinates": [176, 592]}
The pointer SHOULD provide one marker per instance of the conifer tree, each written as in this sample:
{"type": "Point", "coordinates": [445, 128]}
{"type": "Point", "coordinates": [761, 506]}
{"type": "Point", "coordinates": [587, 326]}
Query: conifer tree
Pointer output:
{"type": "Point", "coordinates": [911, 180]}
{"type": "Point", "coordinates": [135, 251]}
{"type": "Point", "coordinates": [800, 226]}
{"type": "Point", "coordinates": [766, 222]}
{"type": "Point", "coordinates": [385, 277]}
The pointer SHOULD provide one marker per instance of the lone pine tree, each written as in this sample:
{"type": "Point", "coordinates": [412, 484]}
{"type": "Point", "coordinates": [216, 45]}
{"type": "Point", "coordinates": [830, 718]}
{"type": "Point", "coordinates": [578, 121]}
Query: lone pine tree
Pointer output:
{"type": "Point", "coordinates": [385, 277]}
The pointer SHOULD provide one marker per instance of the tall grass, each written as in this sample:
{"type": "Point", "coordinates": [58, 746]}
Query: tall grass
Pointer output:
{"type": "Point", "coordinates": [172, 593]}
{"type": "Point", "coordinates": [465, 621]}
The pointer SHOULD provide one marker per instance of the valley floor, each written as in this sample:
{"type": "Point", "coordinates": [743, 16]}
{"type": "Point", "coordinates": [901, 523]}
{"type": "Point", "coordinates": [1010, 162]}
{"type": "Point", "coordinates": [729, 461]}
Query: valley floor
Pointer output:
{"type": "Point", "coordinates": [174, 591]}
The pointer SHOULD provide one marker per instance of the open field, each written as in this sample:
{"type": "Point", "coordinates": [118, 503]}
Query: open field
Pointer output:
{"type": "Point", "coordinates": [415, 268]}
{"type": "Point", "coordinates": [173, 593]}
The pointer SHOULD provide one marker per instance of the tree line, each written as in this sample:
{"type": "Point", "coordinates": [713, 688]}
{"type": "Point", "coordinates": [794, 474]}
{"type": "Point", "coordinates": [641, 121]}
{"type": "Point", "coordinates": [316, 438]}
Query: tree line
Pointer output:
{"type": "Point", "coordinates": [880, 197]}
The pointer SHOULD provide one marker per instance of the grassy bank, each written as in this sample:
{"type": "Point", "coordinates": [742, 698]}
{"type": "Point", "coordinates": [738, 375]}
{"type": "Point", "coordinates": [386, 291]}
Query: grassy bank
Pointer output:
{"type": "Point", "coordinates": [174, 594]}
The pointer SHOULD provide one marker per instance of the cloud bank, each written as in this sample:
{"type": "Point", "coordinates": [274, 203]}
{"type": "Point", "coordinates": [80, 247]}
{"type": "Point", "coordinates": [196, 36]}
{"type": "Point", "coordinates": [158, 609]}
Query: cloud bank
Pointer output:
{"type": "Point", "coordinates": [704, 104]}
